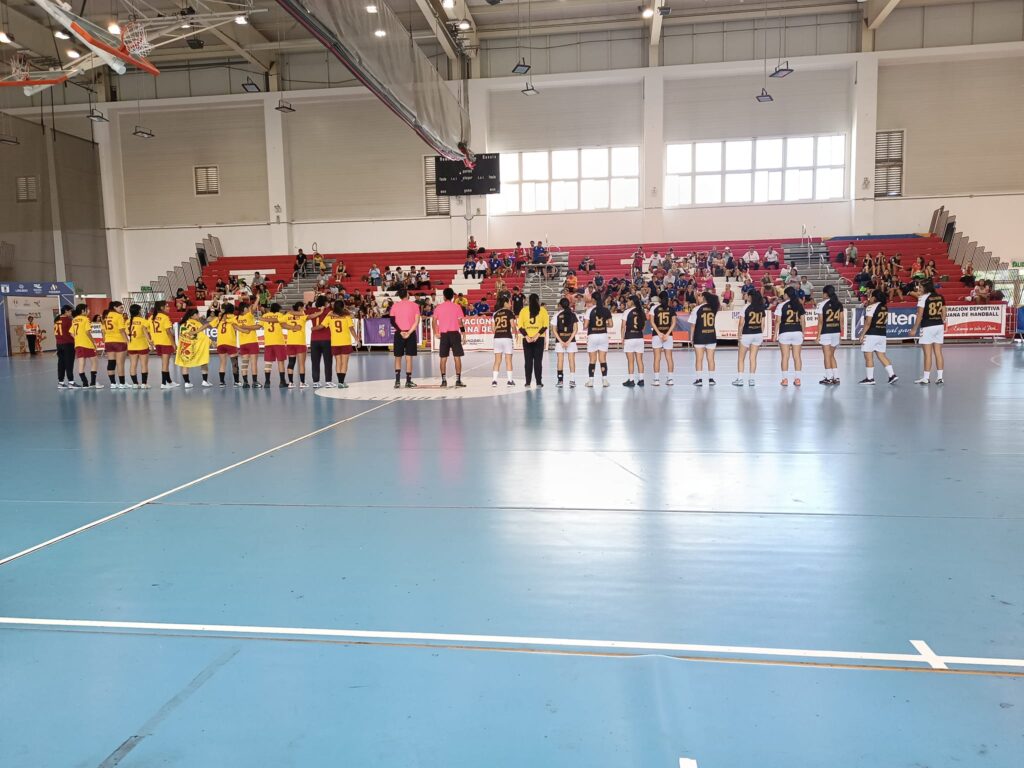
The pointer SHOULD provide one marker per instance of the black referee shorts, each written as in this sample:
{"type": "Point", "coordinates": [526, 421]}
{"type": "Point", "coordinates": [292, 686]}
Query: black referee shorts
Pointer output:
{"type": "Point", "coordinates": [451, 344]}
{"type": "Point", "coordinates": [405, 347]}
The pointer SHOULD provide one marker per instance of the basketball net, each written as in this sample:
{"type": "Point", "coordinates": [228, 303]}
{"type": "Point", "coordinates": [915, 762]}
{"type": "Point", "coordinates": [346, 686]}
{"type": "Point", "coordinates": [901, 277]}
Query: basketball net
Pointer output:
{"type": "Point", "coordinates": [135, 39]}
{"type": "Point", "coordinates": [19, 67]}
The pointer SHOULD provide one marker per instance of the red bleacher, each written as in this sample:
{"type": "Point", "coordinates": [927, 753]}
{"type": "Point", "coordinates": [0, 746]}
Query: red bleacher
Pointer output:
{"type": "Point", "coordinates": [274, 268]}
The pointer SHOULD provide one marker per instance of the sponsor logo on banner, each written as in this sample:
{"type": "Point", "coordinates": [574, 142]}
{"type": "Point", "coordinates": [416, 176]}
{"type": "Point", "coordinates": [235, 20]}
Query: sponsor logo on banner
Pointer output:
{"type": "Point", "coordinates": [900, 322]}
{"type": "Point", "coordinates": [965, 321]}
{"type": "Point", "coordinates": [378, 332]}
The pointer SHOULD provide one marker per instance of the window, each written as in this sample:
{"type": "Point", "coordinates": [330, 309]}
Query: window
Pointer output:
{"type": "Point", "coordinates": [436, 205]}
{"type": "Point", "coordinates": [207, 179]}
{"type": "Point", "coordinates": [27, 189]}
{"type": "Point", "coordinates": [595, 178]}
{"type": "Point", "coordinates": [889, 164]}
{"type": "Point", "coordinates": [755, 170]}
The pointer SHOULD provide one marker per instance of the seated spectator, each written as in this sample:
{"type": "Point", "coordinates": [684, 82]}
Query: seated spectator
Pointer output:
{"type": "Point", "coordinates": [472, 246]}
{"type": "Point", "coordinates": [730, 267]}
{"type": "Point", "coordinates": [849, 256]}
{"type": "Point", "coordinates": [967, 278]}
{"type": "Point", "coordinates": [771, 258]}
{"type": "Point", "coordinates": [784, 273]}
{"type": "Point", "coordinates": [494, 264]}
{"type": "Point", "coordinates": [482, 307]}
{"type": "Point", "coordinates": [221, 287]}
{"type": "Point", "coordinates": [540, 254]}
{"type": "Point", "coordinates": [373, 276]}
{"type": "Point", "coordinates": [181, 301]}
{"type": "Point", "coordinates": [339, 270]}
{"type": "Point", "coordinates": [233, 283]}
{"type": "Point", "coordinates": [462, 301]}
{"type": "Point", "coordinates": [727, 296]}
{"type": "Point", "coordinates": [319, 263]}
{"type": "Point", "coordinates": [423, 279]}
{"type": "Point", "coordinates": [481, 267]}
{"type": "Point", "coordinates": [806, 289]}
{"type": "Point", "coordinates": [469, 268]}
{"type": "Point", "coordinates": [200, 289]}
{"type": "Point", "coordinates": [263, 296]}
{"type": "Point", "coordinates": [499, 287]}
{"type": "Point", "coordinates": [300, 264]}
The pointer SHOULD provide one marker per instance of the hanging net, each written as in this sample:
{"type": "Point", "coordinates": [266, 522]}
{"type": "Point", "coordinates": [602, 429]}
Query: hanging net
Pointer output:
{"type": "Point", "coordinates": [19, 67]}
{"type": "Point", "coordinates": [135, 39]}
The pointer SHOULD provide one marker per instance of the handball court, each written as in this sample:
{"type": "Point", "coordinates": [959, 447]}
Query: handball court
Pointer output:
{"type": "Point", "coordinates": [661, 577]}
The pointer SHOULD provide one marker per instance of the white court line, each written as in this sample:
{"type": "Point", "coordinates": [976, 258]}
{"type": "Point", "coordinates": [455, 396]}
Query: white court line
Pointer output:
{"type": "Point", "coordinates": [514, 640]}
{"type": "Point", "coordinates": [182, 487]}
{"type": "Point", "coordinates": [687, 762]}
{"type": "Point", "coordinates": [929, 655]}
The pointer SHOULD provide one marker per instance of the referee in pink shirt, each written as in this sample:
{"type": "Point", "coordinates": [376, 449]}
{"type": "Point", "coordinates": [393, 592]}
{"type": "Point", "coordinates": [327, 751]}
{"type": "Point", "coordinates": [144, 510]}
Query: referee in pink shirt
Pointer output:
{"type": "Point", "coordinates": [405, 316]}
{"type": "Point", "coordinates": [448, 327]}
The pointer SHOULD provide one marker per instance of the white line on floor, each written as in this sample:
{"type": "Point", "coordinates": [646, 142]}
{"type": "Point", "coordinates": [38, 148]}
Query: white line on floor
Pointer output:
{"type": "Point", "coordinates": [182, 487]}
{"type": "Point", "coordinates": [687, 762]}
{"type": "Point", "coordinates": [928, 654]}
{"type": "Point", "coordinates": [512, 640]}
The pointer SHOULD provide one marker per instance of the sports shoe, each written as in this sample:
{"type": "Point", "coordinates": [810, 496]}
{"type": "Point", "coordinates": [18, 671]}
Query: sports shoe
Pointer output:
{"type": "Point", "coordinates": [835, 382]}
{"type": "Point", "coordinates": [737, 382]}
{"type": "Point", "coordinates": [893, 379]}
{"type": "Point", "coordinates": [670, 383]}
{"type": "Point", "coordinates": [189, 385]}
{"type": "Point", "coordinates": [784, 382]}
{"type": "Point", "coordinates": [60, 385]}
{"type": "Point", "coordinates": [572, 384]}
{"type": "Point", "coordinates": [605, 383]}
{"type": "Point", "coordinates": [796, 382]}
{"type": "Point", "coordinates": [698, 382]}
{"type": "Point", "coordinates": [750, 382]}
{"type": "Point", "coordinates": [540, 384]}
{"type": "Point", "coordinates": [257, 385]}
{"type": "Point", "coordinates": [590, 383]}
{"type": "Point", "coordinates": [640, 383]}
{"type": "Point", "coordinates": [328, 385]}
{"type": "Point", "coordinates": [303, 385]}
{"type": "Point", "coordinates": [711, 382]}
{"type": "Point", "coordinates": [143, 386]}
{"type": "Point", "coordinates": [222, 385]}
{"type": "Point", "coordinates": [398, 385]}
{"type": "Point", "coordinates": [494, 383]}
{"type": "Point", "coordinates": [923, 381]}
{"type": "Point", "coordinates": [245, 385]}
{"type": "Point", "coordinates": [168, 386]}
{"type": "Point", "coordinates": [559, 384]}
{"type": "Point", "coordinates": [175, 384]}
{"type": "Point", "coordinates": [939, 381]}
{"type": "Point", "coordinates": [510, 383]}
{"type": "Point", "coordinates": [343, 385]}
{"type": "Point", "coordinates": [205, 383]}
{"type": "Point", "coordinates": [444, 384]}
{"type": "Point", "coordinates": [657, 382]}
{"type": "Point", "coordinates": [869, 382]}
{"type": "Point", "coordinates": [459, 384]}
{"type": "Point", "coordinates": [825, 381]}
{"type": "Point", "coordinates": [629, 383]}
{"type": "Point", "coordinates": [410, 384]}
{"type": "Point", "coordinates": [97, 386]}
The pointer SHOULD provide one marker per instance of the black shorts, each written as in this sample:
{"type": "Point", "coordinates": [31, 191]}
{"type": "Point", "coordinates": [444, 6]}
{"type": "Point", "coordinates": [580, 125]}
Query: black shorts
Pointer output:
{"type": "Point", "coordinates": [451, 343]}
{"type": "Point", "coordinates": [405, 347]}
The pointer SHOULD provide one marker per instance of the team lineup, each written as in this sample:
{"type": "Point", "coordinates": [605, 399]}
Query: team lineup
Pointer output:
{"type": "Point", "coordinates": [333, 336]}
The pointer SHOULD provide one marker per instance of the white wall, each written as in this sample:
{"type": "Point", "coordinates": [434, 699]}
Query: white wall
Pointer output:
{"type": "Point", "coordinates": [937, 25]}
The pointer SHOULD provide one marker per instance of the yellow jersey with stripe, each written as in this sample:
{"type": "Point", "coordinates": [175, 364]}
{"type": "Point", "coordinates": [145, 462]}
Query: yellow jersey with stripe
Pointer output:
{"type": "Point", "coordinates": [340, 328]}
{"type": "Point", "coordinates": [138, 334]}
{"type": "Point", "coordinates": [162, 329]}
{"type": "Point", "coordinates": [297, 338]}
{"type": "Point", "coordinates": [273, 333]}
{"type": "Point", "coordinates": [81, 330]}
{"type": "Point", "coordinates": [247, 337]}
{"type": "Point", "coordinates": [113, 327]}
{"type": "Point", "coordinates": [226, 332]}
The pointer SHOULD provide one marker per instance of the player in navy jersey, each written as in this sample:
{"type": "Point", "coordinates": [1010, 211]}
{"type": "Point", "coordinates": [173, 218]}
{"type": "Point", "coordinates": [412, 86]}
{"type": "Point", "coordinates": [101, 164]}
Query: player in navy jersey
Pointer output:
{"type": "Point", "coordinates": [790, 322]}
{"type": "Point", "coordinates": [565, 326]}
{"type": "Point", "coordinates": [663, 323]}
{"type": "Point", "coordinates": [931, 322]}
{"type": "Point", "coordinates": [751, 336]}
{"type": "Point", "coordinates": [704, 336]}
{"type": "Point", "coordinates": [599, 321]}
{"type": "Point", "coordinates": [872, 337]}
{"type": "Point", "coordinates": [830, 326]}
{"type": "Point", "coordinates": [632, 331]}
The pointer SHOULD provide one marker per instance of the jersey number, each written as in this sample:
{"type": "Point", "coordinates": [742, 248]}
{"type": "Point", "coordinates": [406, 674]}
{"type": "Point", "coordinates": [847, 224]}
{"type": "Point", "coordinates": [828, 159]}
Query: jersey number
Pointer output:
{"type": "Point", "coordinates": [708, 321]}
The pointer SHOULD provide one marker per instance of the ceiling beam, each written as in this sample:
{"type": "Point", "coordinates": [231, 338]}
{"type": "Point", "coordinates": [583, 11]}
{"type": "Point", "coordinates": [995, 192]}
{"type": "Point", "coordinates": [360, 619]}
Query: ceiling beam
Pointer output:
{"type": "Point", "coordinates": [654, 59]}
{"type": "Point", "coordinates": [242, 40]}
{"type": "Point", "coordinates": [878, 11]}
{"type": "Point", "coordinates": [458, 12]}
{"type": "Point", "coordinates": [31, 37]}
{"type": "Point", "coordinates": [434, 14]}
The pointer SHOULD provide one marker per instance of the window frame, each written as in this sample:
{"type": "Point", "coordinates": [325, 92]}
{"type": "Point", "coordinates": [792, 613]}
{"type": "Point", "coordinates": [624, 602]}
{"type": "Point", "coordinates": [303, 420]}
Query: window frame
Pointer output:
{"type": "Point", "coordinates": [902, 165]}
{"type": "Point", "coordinates": [442, 203]}
{"type": "Point", "coordinates": [195, 180]}
{"type": "Point", "coordinates": [754, 170]}
{"type": "Point", "coordinates": [30, 183]}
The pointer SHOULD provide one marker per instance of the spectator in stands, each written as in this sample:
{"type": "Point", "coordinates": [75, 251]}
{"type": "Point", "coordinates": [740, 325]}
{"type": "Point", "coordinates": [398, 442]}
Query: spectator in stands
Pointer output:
{"type": "Point", "coordinates": [373, 275]}
{"type": "Point", "coordinates": [482, 307]}
{"type": "Point", "coordinates": [849, 256]}
{"type": "Point", "coordinates": [931, 270]}
{"type": "Point", "coordinates": [727, 296]}
{"type": "Point", "coordinates": [469, 267]}
{"type": "Point", "coordinates": [771, 258]}
{"type": "Point", "coordinates": [423, 280]}
{"type": "Point", "coordinates": [481, 266]}
{"type": "Point", "coordinates": [967, 278]}
{"type": "Point", "coordinates": [233, 283]}
{"type": "Point", "coordinates": [300, 264]}
{"type": "Point", "coordinates": [200, 289]}
{"type": "Point", "coordinates": [471, 246]}
{"type": "Point", "coordinates": [540, 253]}
{"type": "Point", "coordinates": [264, 296]}
{"type": "Point", "coordinates": [221, 287]}
{"type": "Point", "coordinates": [339, 270]}
{"type": "Point", "coordinates": [462, 301]}
{"type": "Point", "coordinates": [571, 283]}
{"type": "Point", "coordinates": [784, 273]}
{"type": "Point", "coordinates": [752, 257]}
{"type": "Point", "coordinates": [731, 269]}
{"type": "Point", "coordinates": [319, 263]}
{"type": "Point", "coordinates": [518, 300]}
{"type": "Point", "coordinates": [806, 290]}
{"type": "Point", "coordinates": [257, 280]}
{"type": "Point", "coordinates": [181, 301]}
{"type": "Point", "coordinates": [494, 263]}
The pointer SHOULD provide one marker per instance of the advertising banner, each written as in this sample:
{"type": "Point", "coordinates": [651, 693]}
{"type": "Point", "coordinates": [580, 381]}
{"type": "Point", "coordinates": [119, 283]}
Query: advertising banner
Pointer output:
{"type": "Point", "coordinates": [479, 335]}
{"type": "Point", "coordinates": [64, 293]}
{"type": "Point", "coordinates": [966, 321]}
{"type": "Point", "coordinates": [42, 309]}
{"type": "Point", "coordinates": [378, 332]}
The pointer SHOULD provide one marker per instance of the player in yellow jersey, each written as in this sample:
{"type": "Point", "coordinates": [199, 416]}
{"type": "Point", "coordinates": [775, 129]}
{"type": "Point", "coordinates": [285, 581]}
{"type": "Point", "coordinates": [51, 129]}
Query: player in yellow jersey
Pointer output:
{"type": "Point", "coordinates": [297, 344]}
{"type": "Point", "coordinates": [343, 336]}
{"type": "Point", "coordinates": [139, 329]}
{"type": "Point", "coordinates": [227, 341]}
{"type": "Point", "coordinates": [275, 348]}
{"type": "Point", "coordinates": [85, 347]}
{"type": "Point", "coordinates": [162, 332]}
{"type": "Point", "coordinates": [248, 345]}
{"type": "Point", "coordinates": [190, 327]}
{"type": "Point", "coordinates": [115, 343]}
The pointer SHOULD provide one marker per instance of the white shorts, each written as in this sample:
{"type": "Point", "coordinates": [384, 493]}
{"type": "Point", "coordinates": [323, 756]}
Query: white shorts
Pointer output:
{"type": "Point", "coordinates": [631, 346]}
{"type": "Point", "coordinates": [568, 349]}
{"type": "Point", "coordinates": [503, 346]}
{"type": "Point", "coordinates": [705, 346]}
{"type": "Point", "coordinates": [794, 338]}
{"type": "Point", "coordinates": [597, 342]}
{"type": "Point", "coordinates": [873, 344]}
{"type": "Point", "coordinates": [752, 339]}
{"type": "Point", "coordinates": [657, 343]}
{"type": "Point", "coordinates": [933, 334]}
{"type": "Point", "coordinates": [830, 339]}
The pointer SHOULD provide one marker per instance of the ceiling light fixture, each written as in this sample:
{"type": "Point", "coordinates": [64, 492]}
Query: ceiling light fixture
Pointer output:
{"type": "Point", "coordinates": [96, 116]}
{"type": "Point", "coordinates": [782, 71]}
{"type": "Point", "coordinates": [647, 13]}
{"type": "Point", "coordinates": [380, 33]}
{"type": "Point", "coordinates": [764, 96]}
{"type": "Point", "coordinates": [241, 20]}
{"type": "Point", "coordinates": [5, 38]}
{"type": "Point", "coordinates": [60, 34]}
{"type": "Point", "coordinates": [249, 86]}
{"type": "Point", "coordinates": [529, 90]}
{"type": "Point", "coordinates": [74, 54]}
{"type": "Point", "coordinates": [114, 28]}
{"type": "Point", "coordinates": [371, 8]}
{"type": "Point", "coordinates": [448, 4]}
{"type": "Point", "coordinates": [521, 68]}
{"type": "Point", "coordinates": [464, 25]}
{"type": "Point", "coordinates": [143, 133]}
{"type": "Point", "coordinates": [284, 106]}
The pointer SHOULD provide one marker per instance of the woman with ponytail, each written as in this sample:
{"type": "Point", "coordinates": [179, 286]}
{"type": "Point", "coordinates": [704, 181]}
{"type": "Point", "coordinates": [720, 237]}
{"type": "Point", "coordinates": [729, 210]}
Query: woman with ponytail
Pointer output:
{"type": "Point", "coordinates": [599, 320]}
{"type": "Point", "coordinates": [751, 337]}
{"type": "Point", "coordinates": [632, 333]}
{"type": "Point", "coordinates": [189, 327]}
{"type": "Point", "coordinates": [115, 343]}
{"type": "Point", "coordinates": [533, 326]}
{"type": "Point", "coordinates": [162, 330]}
{"type": "Point", "coordinates": [566, 324]}
{"type": "Point", "coordinates": [931, 322]}
{"type": "Point", "coordinates": [872, 337]}
{"type": "Point", "coordinates": [663, 323]}
{"type": "Point", "coordinates": [504, 321]}
{"type": "Point", "coordinates": [85, 347]}
{"type": "Point", "coordinates": [139, 329]}
{"type": "Point", "coordinates": [830, 325]}
{"type": "Point", "coordinates": [790, 321]}
{"type": "Point", "coordinates": [704, 336]}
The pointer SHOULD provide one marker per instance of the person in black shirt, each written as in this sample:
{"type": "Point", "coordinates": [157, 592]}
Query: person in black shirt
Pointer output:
{"type": "Point", "coordinates": [599, 320]}
{"type": "Point", "coordinates": [566, 324]}
{"type": "Point", "coordinates": [872, 337]}
{"type": "Point", "coordinates": [663, 323]}
{"type": "Point", "coordinates": [704, 336]}
{"type": "Point", "coordinates": [504, 322]}
{"type": "Point", "coordinates": [751, 336]}
{"type": "Point", "coordinates": [518, 300]}
{"type": "Point", "coordinates": [931, 322]}
{"type": "Point", "coordinates": [632, 332]}
{"type": "Point", "coordinates": [830, 326]}
{"type": "Point", "coordinates": [790, 322]}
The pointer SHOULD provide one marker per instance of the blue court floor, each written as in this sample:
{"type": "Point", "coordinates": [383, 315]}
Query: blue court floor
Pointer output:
{"type": "Point", "coordinates": [667, 577]}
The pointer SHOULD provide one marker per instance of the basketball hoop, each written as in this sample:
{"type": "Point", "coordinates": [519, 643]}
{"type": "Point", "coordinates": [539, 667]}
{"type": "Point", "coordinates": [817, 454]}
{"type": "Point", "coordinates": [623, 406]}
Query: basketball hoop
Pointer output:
{"type": "Point", "coordinates": [135, 39]}
{"type": "Point", "coordinates": [19, 67]}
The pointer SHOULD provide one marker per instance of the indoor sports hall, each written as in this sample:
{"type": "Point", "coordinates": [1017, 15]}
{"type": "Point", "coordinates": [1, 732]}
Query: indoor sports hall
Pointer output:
{"type": "Point", "coordinates": [511, 383]}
